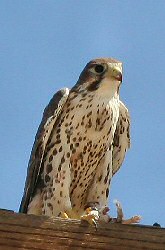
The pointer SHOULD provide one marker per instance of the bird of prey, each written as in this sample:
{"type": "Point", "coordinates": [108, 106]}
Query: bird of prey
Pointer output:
{"type": "Point", "coordinates": [80, 144]}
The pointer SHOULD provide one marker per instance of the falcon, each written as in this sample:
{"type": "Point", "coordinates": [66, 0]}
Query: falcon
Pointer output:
{"type": "Point", "coordinates": [80, 144]}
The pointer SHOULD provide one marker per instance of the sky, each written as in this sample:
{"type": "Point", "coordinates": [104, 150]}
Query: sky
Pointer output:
{"type": "Point", "coordinates": [44, 45]}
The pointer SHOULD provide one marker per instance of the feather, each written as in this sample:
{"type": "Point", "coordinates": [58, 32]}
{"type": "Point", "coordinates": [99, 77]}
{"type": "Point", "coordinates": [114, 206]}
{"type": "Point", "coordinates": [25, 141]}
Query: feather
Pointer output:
{"type": "Point", "coordinates": [121, 140]}
{"type": "Point", "coordinates": [50, 115]}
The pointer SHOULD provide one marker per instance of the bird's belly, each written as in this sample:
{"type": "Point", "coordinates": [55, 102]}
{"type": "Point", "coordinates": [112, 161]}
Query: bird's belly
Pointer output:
{"type": "Point", "coordinates": [84, 164]}
{"type": "Point", "coordinates": [91, 138]}
{"type": "Point", "coordinates": [76, 147]}
{"type": "Point", "coordinates": [83, 168]}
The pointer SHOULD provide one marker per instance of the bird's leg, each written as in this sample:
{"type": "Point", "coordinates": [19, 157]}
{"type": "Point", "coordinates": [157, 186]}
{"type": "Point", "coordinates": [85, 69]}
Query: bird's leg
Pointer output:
{"type": "Point", "coordinates": [94, 214]}
{"type": "Point", "coordinates": [91, 214]}
{"type": "Point", "coordinates": [62, 202]}
{"type": "Point", "coordinates": [63, 215]}
{"type": "Point", "coordinates": [68, 214]}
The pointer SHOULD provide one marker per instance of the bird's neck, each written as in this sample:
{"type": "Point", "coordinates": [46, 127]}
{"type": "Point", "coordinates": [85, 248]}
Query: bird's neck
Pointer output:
{"type": "Point", "coordinates": [108, 90]}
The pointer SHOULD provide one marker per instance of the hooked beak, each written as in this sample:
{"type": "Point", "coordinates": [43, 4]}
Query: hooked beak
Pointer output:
{"type": "Point", "coordinates": [117, 73]}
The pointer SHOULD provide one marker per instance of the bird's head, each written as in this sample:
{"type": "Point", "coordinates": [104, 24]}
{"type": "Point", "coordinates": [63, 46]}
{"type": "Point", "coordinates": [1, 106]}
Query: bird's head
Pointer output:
{"type": "Point", "coordinates": [103, 75]}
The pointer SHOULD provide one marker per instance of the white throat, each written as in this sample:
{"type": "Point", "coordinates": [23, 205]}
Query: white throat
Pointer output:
{"type": "Point", "coordinates": [108, 89]}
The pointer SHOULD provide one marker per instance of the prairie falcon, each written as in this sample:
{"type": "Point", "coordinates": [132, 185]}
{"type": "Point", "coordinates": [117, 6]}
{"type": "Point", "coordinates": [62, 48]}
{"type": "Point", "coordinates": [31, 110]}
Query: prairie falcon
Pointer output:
{"type": "Point", "coordinates": [80, 144]}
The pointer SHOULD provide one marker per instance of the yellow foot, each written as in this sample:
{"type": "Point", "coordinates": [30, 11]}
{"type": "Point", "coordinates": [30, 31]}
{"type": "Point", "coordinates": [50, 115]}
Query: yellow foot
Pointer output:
{"type": "Point", "coordinates": [68, 214]}
{"type": "Point", "coordinates": [91, 216]}
{"type": "Point", "coordinates": [63, 215]}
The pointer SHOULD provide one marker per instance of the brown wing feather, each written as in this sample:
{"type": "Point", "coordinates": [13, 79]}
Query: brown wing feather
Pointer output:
{"type": "Point", "coordinates": [121, 138]}
{"type": "Point", "coordinates": [51, 112]}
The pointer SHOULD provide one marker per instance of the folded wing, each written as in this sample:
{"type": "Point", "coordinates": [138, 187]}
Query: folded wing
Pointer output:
{"type": "Point", "coordinates": [50, 115]}
{"type": "Point", "coordinates": [121, 138]}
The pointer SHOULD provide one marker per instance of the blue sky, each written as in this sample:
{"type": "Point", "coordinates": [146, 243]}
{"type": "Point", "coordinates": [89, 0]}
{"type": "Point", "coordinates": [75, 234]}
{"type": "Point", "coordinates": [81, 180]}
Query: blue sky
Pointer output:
{"type": "Point", "coordinates": [44, 45]}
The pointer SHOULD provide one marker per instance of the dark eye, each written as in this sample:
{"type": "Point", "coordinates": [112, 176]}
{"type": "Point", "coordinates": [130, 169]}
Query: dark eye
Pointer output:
{"type": "Point", "coordinates": [99, 68]}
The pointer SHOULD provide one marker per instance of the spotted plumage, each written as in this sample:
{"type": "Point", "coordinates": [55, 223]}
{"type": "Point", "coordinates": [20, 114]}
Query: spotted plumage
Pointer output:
{"type": "Point", "coordinates": [80, 144]}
